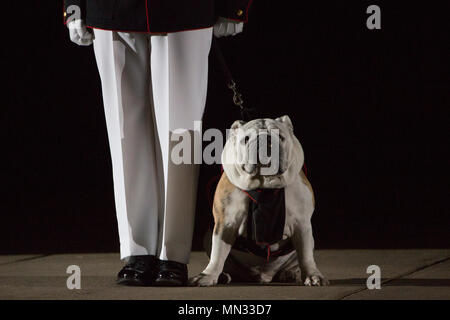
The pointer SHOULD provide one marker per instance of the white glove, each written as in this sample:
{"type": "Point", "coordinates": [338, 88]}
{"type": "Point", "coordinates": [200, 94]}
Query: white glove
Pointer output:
{"type": "Point", "coordinates": [79, 34]}
{"type": "Point", "coordinates": [227, 27]}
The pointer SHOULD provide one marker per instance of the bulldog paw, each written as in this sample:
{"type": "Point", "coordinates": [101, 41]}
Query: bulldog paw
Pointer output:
{"type": "Point", "coordinates": [203, 280]}
{"type": "Point", "coordinates": [314, 279]}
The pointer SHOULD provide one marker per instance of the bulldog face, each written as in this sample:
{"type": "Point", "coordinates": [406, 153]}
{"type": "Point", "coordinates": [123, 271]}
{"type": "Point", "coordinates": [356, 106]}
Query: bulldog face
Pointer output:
{"type": "Point", "coordinates": [262, 153]}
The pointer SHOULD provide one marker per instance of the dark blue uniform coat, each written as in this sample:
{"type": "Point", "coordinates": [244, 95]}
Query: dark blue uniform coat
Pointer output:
{"type": "Point", "coordinates": [156, 16]}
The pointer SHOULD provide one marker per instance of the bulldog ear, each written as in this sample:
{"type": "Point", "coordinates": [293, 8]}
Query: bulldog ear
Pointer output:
{"type": "Point", "coordinates": [237, 124]}
{"type": "Point", "coordinates": [286, 121]}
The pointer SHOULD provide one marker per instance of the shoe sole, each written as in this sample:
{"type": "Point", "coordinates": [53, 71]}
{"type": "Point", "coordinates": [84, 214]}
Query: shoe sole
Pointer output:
{"type": "Point", "coordinates": [131, 283]}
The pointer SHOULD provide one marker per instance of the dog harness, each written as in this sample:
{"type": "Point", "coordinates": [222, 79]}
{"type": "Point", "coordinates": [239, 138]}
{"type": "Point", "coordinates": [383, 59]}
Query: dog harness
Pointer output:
{"type": "Point", "coordinates": [265, 220]}
{"type": "Point", "coordinates": [265, 223]}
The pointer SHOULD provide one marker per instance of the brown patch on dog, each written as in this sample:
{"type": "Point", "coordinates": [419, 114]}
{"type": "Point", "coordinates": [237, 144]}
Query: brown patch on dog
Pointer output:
{"type": "Point", "coordinates": [221, 199]}
{"type": "Point", "coordinates": [221, 196]}
{"type": "Point", "coordinates": [308, 184]}
{"type": "Point", "coordinates": [227, 234]}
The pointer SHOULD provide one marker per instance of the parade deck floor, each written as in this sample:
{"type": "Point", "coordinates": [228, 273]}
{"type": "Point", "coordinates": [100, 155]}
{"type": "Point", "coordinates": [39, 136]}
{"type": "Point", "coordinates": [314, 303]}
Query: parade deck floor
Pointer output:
{"type": "Point", "coordinates": [406, 274]}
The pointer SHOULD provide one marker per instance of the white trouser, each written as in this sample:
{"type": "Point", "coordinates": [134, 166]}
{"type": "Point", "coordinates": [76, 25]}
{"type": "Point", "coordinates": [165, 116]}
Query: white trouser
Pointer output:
{"type": "Point", "coordinates": [152, 85]}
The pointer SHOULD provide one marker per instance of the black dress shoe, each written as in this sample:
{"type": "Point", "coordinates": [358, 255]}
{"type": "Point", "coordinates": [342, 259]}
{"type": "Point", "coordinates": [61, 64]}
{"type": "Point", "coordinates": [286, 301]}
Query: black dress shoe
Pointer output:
{"type": "Point", "coordinates": [171, 274]}
{"type": "Point", "coordinates": [139, 271]}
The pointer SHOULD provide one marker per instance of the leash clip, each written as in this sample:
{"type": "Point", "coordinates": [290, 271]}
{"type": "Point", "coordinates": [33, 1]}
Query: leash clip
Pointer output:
{"type": "Point", "coordinates": [237, 96]}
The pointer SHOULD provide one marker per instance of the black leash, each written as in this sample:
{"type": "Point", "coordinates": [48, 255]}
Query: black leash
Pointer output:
{"type": "Point", "coordinates": [231, 84]}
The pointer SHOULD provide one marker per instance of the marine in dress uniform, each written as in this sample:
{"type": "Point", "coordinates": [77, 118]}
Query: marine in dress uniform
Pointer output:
{"type": "Point", "coordinates": [152, 56]}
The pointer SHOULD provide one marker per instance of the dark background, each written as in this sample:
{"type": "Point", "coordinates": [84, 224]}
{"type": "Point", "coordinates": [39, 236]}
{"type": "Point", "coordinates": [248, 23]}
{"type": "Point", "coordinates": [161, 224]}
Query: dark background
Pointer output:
{"type": "Point", "coordinates": [370, 108]}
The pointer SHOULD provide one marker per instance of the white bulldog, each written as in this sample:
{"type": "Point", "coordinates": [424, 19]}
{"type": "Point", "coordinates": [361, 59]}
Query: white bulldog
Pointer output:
{"type": "Point", "coordinates": [233, 255]}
